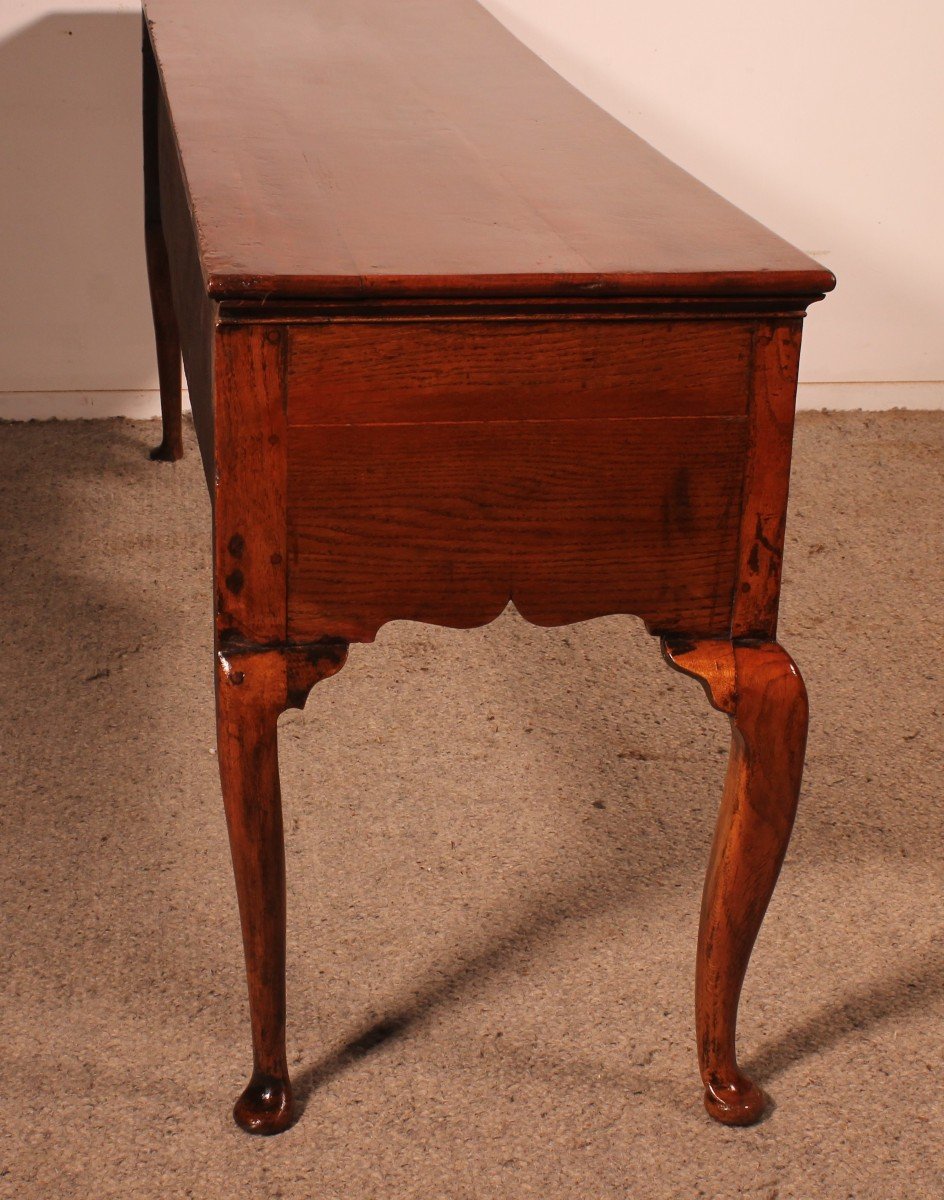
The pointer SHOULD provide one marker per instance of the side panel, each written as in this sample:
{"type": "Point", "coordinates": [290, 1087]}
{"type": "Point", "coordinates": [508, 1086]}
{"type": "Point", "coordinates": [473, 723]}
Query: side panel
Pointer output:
{"type": "Point", "coordinates": [359, 372]}
{"type": "Point", "coordinates": [196, 313]}
{"type": "Point", "coordinates": [437, 472]}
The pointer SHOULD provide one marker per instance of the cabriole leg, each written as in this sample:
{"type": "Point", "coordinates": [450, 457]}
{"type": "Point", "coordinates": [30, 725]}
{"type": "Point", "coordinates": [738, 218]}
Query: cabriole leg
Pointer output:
{"type": "Point", "coordinates": [252, 689]}
{"type": "Point", "coordinates": [762, 691]}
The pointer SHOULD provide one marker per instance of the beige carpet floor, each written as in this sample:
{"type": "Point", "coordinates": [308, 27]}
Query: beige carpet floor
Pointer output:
{"type": "Point", "coordinates": [495, 844]}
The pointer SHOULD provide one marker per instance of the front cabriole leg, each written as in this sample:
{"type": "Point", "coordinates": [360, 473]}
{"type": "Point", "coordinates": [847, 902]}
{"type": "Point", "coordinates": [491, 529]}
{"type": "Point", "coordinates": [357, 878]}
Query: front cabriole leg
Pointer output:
{"type": "Point", "coordinates": [252, 688]}
{"type": "Point", "coordinates": [760, 688]}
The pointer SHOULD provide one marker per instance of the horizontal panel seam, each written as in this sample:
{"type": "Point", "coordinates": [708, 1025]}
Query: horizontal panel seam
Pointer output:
{"type": "Point", "coordinates": [730, 418]}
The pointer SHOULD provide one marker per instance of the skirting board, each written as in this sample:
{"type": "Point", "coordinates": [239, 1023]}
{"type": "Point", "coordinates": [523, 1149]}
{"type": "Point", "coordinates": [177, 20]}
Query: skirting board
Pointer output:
{"type": "Point", "coordinates": [73, 406]}
{"type": "Point", "coordinates": [65, 406]}
{"type": "Point", "coordinates": [873, 397]}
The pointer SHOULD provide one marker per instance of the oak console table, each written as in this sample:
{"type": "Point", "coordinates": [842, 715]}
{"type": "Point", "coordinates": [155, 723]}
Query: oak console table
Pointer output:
{"type": "Point", "coordinates": [454, 337]}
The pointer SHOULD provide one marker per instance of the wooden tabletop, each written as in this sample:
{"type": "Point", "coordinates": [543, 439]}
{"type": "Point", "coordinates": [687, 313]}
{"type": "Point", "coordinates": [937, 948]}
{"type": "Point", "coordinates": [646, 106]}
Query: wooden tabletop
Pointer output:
{"type": "Point", "coordinates": [337, 148]}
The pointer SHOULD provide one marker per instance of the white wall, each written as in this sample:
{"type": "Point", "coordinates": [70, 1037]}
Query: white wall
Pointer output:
{"type": "Point", "coordinates": [73, 295]}
{"type": "Point", "coordinates": [823, 120]}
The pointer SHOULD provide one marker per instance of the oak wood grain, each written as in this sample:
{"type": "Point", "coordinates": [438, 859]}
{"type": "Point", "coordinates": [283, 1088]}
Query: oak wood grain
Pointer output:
{"type": "Point", "coordinates": [448, 522]}
{"type": "Point", "coordinates": [252, 689]}
{"type": "Point", "coordinates": [760, 688]}
{"type": "Point", "coordinates": [418, 148]}
{"type": "Point", "coordinates": [776, 361]}
{"type": "Point", "coordinates": [440, 370]}
{"type": "Point", "coordinates": [250, 548]}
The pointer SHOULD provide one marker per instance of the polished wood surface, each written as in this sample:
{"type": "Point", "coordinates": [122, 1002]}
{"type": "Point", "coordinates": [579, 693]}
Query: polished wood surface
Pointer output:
{"type": "Point", "coordinates": [522, 368]}
{"type": "Point", "coordinates": [761, 690]}
{"type": "Point", "coordinates": [417, 148]}
{"type": "Point", "coordinates": [776, 360]}
{"type": "Point", "coordinates": [251, 691]}
{"type": "Point", "coordinates": [448, 523]}
{"type": "Point", "coordinates": [454, 338]}
{"type": "Point", "coordinates": [251, 539]}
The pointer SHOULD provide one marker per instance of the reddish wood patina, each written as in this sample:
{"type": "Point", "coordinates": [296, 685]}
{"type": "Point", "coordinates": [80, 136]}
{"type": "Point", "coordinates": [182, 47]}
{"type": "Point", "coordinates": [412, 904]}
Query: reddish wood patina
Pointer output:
{"type": "Point", "coordinates": [455, 338]}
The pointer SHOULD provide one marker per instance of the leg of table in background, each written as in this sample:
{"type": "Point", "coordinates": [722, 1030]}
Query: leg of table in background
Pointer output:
{"type": "Point", "coordinates": [252, 689]}
{"type": "Point", "coordinates": [762, 691]}
{"type": "Point", "coordinates": [171, 447]}
{"type": "Point", "coordinates": [162, 304]}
